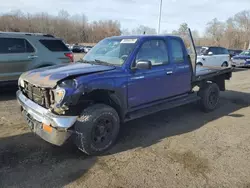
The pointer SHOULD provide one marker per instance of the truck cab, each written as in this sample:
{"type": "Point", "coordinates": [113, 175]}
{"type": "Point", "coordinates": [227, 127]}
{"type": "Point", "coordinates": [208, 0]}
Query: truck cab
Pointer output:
{"type": "Point", "coordinates": [121, 78]}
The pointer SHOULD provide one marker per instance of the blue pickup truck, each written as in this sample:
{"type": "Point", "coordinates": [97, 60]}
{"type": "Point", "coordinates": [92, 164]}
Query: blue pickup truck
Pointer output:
{"type": "Point", "coordinates": [122, 78]}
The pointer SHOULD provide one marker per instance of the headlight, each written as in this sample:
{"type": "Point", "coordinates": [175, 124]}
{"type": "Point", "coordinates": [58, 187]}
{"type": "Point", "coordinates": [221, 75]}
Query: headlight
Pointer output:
{"type": "Point", "coordinates": [20, 82]}
{"type": "Point", "coordinates": [248, 59]}
{"type": "Point", "coordinates": [59, 94]}
{"type": "Point", "coordinates": [60, 91]}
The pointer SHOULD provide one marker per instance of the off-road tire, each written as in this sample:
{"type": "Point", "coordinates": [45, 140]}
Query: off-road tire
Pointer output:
{"type": "Point", "coordinates": [210, 95]}
{"type": "Point", "coordinates": [86, 124]}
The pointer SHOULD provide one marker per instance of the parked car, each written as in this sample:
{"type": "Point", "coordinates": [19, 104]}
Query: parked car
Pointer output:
{"type": "Point", "coordinates": [198, 49]}
{"type": "Point", "coordinates": [69, 46]}
{"type": "Point", "coordinates": [137, 76]}
{"type": "Point", "coordinates": [213, 56]}
{"type": "Point", "coordinates": [241, 60]}
{"type": "Point", "coordinates": [233, 52]}
{"type": "Point", "coordinates": [78, 48]}
{"type": "Point", "coordinates": [87, 49]}
{"type": "Point", "coordinates": [20, 52]}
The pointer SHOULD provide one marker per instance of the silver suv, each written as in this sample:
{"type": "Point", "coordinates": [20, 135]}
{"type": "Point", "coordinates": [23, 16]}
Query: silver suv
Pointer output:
{"type": "Point", "coordinates": [20, 52]}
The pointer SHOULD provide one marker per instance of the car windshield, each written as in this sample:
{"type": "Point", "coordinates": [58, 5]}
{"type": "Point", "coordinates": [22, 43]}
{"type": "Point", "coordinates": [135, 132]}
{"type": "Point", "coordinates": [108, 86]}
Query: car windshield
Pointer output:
{"type": "Point", "coordinates": [201, 50]}
{"type": "Point", "coordinates": [112, 51]}
{"type": "Point", "coordinates": [247, 53]}
{"type": "Point", "coordinates": [198, 50]}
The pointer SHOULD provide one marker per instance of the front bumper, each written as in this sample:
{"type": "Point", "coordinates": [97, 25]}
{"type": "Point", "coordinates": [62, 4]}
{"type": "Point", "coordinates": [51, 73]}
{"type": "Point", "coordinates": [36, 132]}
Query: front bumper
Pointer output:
{"type": "Point", "coordinates": [38, 116]}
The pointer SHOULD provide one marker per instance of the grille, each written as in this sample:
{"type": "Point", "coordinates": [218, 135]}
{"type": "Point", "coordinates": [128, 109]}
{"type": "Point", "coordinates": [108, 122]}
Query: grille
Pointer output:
{"type": "Point", "coordinates": [42, 96]}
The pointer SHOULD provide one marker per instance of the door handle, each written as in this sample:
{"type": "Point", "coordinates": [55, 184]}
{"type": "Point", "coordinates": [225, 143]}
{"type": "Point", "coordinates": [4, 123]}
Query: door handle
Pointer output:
{"type": "Point", "coordinates": [169, 72]}
{"type": "Point", "coordinates": [32, 56]}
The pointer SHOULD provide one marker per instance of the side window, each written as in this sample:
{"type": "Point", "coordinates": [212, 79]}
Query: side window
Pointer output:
{"type": "Point", "coordinates": [154, 51]}
{"type": "Point", "coordinates": [214, 50]}
{"type": "Point", "coordinates": [12, 45]}
{"type": "Point", "coordinates": [177, 51]}
{"type": "Point", "coordinates": [221, 51]}
{"type": "Point", "coordinates": [29, 48]}
{"type": "Point", "coordinates": [224, 51]}
{"type": "Point", "coordinates": [54, 45]}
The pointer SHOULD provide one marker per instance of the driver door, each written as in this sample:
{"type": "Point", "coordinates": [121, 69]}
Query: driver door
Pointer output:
{"type": "Point", "coordinates": [147, 85]}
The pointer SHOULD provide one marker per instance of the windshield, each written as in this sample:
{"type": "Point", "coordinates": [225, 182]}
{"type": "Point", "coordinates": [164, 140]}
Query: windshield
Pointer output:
{"type": "Point", "coordinates": [112, 51]}
{"type": "Point", "coordinates": [203, 51]}
{"type": "Point", "coordinates": [247, 53]}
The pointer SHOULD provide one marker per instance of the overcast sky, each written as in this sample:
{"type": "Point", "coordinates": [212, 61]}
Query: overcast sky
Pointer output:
{"type": "Point", "coordinates": [132, 13]}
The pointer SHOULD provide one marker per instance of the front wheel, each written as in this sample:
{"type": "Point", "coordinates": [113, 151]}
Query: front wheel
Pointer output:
{"type": "Point", "coordinates": [210, 94]}
{"type": "Point", "coordinates": [97, 129]}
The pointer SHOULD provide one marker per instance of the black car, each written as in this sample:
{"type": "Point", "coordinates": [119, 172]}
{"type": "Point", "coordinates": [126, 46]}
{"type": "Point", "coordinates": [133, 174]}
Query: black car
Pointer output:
{"type": "Point", "coordinates": [78, 49]}
{"type": "Point", "coordinates": [233, 52]}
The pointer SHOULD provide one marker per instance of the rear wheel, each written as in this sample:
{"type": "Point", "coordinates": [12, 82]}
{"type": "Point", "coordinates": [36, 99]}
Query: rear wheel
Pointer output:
{"type": "Point", "coordinates": [225, 64]}
{"type": "Point", "coordinates": [97, 129]}
{"type": "Point", "coordinates": [210, 94]}
{"type": "Point", "coordinates": [199, 64]}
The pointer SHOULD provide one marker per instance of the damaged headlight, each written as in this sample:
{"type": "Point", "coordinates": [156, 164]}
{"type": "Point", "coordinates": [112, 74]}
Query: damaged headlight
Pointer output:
{"type": "Point", "coordinates": [59, 94]}
{"type": "Point", "coordinates": [60, 91]}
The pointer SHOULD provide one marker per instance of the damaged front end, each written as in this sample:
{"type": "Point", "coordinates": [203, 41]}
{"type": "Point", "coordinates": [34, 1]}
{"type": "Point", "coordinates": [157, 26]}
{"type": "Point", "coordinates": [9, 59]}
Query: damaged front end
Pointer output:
{"type": "Point", "coordinates": [52, 109]}
{"type": "Point", "coordinates": [58, 99]}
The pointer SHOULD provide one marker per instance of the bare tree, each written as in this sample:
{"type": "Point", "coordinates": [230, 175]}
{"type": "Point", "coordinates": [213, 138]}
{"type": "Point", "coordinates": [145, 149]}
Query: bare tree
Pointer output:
{"type": "Point", "coordinates": [215, 29]}
{"type": "Point", "coordinates": [71, 28]}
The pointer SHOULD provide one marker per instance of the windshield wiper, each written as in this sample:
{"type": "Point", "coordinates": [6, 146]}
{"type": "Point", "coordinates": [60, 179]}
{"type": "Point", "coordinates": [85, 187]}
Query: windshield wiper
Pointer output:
{"type": "Point", "coordinates": [84, 61]}
{"type": "Point", "coordinates": [103, 62]}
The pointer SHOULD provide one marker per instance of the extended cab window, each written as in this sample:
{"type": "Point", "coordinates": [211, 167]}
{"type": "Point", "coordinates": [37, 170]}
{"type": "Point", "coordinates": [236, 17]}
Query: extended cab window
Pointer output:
{"type": "Point", "coordinates": [177, 51]}
{"type": "Point", "coordinates": [154, 51]}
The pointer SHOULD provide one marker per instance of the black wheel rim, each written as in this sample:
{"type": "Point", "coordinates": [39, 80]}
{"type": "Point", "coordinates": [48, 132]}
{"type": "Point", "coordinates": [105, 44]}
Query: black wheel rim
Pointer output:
{"type": "Point", "coordinates": [102, 132]}
{"type": "Point", "coordinates": [213, 98]}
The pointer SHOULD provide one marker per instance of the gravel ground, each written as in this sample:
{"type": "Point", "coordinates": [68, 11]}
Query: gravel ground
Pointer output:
{"type": "Point", "coordinates": [182, 147]}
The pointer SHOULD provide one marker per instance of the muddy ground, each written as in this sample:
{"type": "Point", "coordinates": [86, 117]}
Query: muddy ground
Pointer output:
{"type": "Point", "coordinates": [182, 147]}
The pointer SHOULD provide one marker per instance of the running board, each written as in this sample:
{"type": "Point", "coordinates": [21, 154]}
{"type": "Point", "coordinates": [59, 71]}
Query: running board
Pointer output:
{"type": "Point", "coordinates": [162, 106]}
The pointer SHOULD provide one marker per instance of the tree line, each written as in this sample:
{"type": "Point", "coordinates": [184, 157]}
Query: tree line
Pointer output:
{"type": "Point", "coordinates": [233, 33]}
{"type": "Point", "coordinates": [72, 28]}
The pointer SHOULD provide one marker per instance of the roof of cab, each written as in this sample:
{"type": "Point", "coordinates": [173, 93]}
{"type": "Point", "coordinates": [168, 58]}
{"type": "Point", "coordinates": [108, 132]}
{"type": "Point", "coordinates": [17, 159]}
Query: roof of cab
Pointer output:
{"type": "Point", "coordinates": [140, 36]}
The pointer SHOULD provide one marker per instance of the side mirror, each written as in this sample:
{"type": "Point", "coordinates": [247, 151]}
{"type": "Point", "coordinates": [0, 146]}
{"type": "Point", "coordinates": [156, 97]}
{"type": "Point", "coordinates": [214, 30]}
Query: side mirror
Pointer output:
{"type": "Point", "coordinates": [143, 64]}
{"type": "Point", "coordinates": [210, 53]}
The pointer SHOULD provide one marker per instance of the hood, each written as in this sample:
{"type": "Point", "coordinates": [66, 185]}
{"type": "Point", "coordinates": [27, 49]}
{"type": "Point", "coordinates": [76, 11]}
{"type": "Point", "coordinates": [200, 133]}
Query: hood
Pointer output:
{"type": "Point", "coordinates": [49, 76]}
{"type": "Point", "coordinates": [241, 57]}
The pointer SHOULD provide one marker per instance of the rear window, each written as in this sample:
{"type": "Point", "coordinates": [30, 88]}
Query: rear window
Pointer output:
{"type": "Point", "coordinates": [54, 45]}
